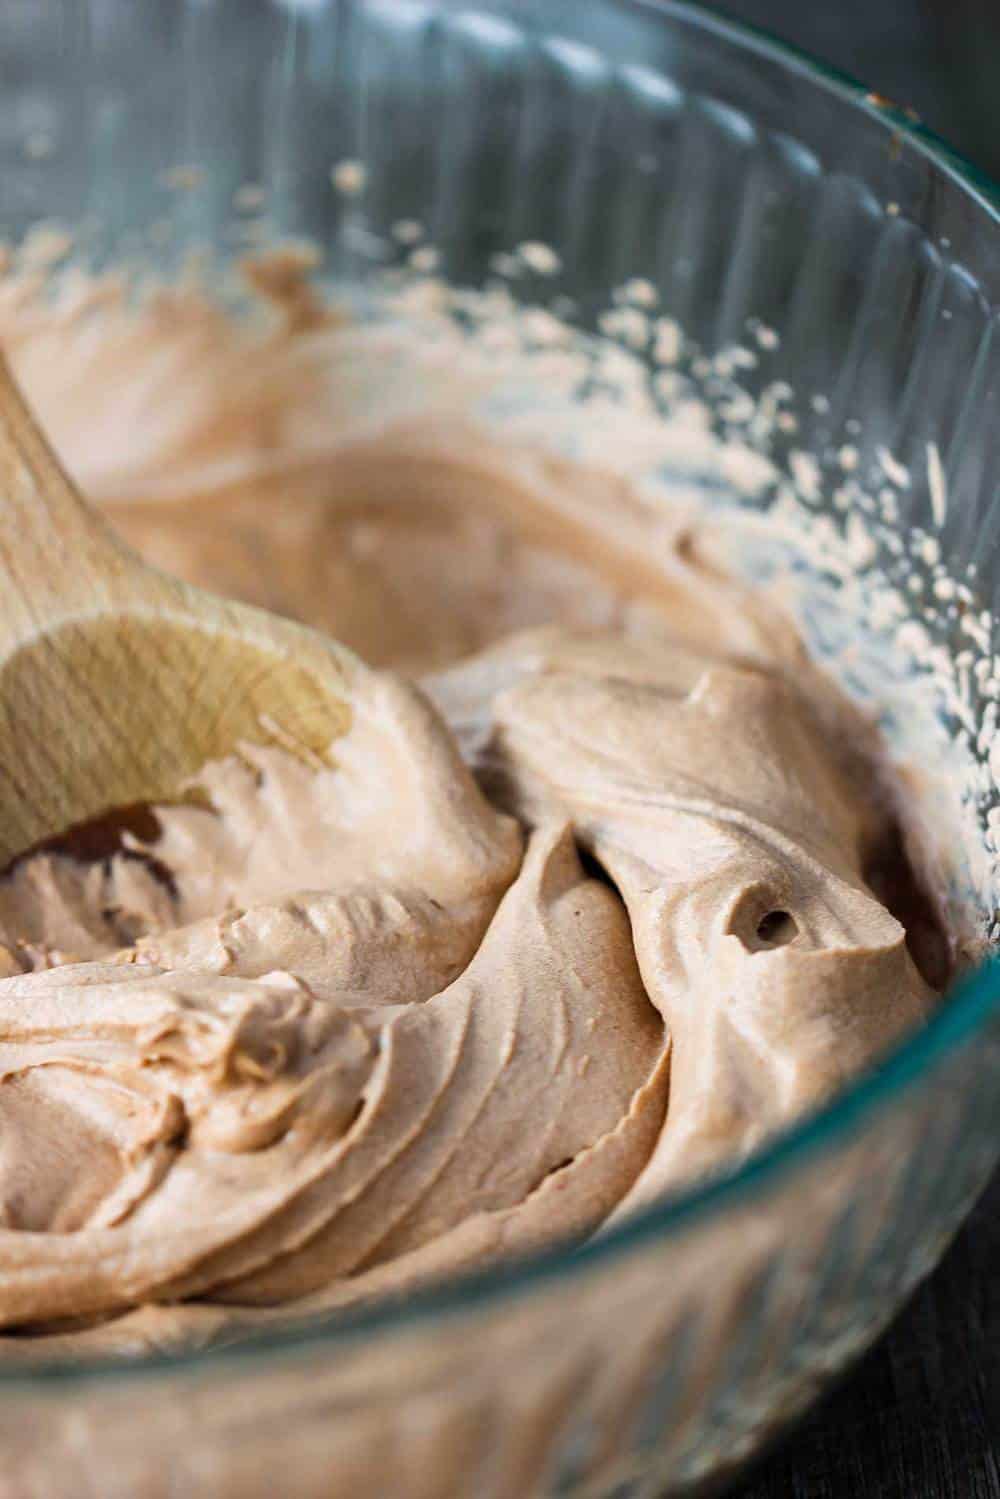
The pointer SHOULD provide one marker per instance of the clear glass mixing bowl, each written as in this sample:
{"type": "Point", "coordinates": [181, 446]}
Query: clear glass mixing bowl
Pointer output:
{"type": "Point", "coordinates": [643, 140]}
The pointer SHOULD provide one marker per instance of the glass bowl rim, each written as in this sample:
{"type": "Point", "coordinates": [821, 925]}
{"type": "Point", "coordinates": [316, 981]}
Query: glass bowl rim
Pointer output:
{"type": "Point", "coordinates": [966, 1010]}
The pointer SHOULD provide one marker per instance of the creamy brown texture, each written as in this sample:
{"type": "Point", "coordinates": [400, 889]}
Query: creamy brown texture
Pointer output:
{"type": "Point", "coordinates": [339, 1027]}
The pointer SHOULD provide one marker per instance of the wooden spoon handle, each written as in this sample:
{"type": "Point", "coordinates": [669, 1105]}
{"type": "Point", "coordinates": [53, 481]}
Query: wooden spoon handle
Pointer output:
{"type": "Point", "coordinates": [54, 548]}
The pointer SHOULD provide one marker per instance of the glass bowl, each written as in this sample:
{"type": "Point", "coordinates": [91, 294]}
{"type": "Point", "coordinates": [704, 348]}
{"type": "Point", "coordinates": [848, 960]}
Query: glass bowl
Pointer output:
{"type": "Point", "coordinates": [647, 144]}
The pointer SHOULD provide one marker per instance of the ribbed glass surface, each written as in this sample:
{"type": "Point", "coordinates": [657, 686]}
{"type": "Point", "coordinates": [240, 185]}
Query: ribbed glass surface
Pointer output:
{"type": "Point", "coordinates": [635, 141]}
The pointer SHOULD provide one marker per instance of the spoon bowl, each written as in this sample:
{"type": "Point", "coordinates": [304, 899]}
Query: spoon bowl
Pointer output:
{"type": "Point", "coordinates": [118, 683]}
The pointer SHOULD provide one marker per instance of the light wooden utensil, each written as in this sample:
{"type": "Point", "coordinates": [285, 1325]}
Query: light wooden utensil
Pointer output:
{"type": "Point", "coordinates": [118, 683]}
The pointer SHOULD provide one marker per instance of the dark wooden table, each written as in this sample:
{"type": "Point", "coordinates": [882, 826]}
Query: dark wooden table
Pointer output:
{"type": "Point", "coordinates": [920, 1417]}
{"type": "Point", "coordinates": [942, 57]}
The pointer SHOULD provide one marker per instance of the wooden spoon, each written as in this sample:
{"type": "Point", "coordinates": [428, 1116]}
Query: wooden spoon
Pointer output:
{"type": "Point", "coordinates": [118, 683]}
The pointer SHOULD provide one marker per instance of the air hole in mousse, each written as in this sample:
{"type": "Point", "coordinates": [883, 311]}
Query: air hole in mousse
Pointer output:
{"type": "Point", "coordinates": [777, 929]}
